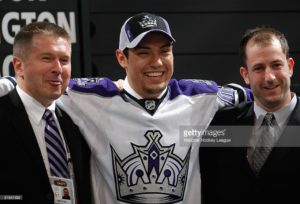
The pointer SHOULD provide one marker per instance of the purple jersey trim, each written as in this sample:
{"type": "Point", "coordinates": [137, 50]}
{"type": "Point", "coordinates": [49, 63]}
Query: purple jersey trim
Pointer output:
{"type": "Point", "coordinates": [106, 88]}
{"type": "Point", "coordinates": [191, 87]}
{"type": "Point", "coordinates": [100, 86]}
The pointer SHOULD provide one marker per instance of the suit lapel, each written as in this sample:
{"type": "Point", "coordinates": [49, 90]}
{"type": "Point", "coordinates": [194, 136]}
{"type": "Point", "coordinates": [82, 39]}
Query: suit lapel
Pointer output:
{"type": "Point", "coordinates": [246, 118]}
{"type": "Point", "coordinates": [26, 133]}
{"type": "Point", "coordinates": [66, 130]}
{"type": "Point", "coordinates": [70, 136]}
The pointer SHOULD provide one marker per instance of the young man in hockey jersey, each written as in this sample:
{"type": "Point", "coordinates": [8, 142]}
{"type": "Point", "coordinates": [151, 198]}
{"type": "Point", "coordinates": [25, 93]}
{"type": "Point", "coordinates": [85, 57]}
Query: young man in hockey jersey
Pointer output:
{"type": "Point", "coordinates": [142, 137]}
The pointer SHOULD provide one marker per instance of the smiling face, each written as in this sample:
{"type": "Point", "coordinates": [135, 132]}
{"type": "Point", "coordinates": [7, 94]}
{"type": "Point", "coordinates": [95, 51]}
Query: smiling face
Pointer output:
{"type": "Point", "coordinates": [268, 73]}
{"type": "Point", "coordinates": [45, 70]}
{"type": "Point", "coordinates": [149, 66]}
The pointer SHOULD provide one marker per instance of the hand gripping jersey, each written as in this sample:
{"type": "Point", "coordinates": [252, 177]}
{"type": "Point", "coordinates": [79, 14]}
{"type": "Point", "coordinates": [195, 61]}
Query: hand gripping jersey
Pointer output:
{"type": "Point", "coordinates": [139, 157]}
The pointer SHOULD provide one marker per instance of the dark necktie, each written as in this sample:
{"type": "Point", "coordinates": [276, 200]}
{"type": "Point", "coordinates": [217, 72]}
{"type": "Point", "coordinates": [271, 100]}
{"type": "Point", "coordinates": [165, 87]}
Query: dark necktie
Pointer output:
{"type": "Point", "coordinates": [55, 148]}
{"type": "Point", "coordinates": [265, 143]}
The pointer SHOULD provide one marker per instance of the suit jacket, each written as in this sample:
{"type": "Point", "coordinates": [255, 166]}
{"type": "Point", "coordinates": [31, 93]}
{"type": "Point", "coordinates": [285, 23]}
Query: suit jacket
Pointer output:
{"type": "Point", "coordinates": [22, 170]}
{"type": "Point", "coordinates": [227, 177]}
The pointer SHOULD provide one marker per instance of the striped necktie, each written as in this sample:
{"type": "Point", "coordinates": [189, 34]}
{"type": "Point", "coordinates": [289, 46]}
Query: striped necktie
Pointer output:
{"type": "Point", "coordinates": [55, 148]}
{"type": "Point", "coordinates": [265, 143]}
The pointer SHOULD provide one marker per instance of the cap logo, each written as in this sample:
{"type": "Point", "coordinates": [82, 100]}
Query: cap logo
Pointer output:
{"type": "Point", "coordinates": [147, 22]}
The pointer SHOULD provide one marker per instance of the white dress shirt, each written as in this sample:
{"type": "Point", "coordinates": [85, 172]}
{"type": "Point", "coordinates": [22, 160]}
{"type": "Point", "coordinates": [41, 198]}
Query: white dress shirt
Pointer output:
{"type": "Point", "coordinates": [35, 112]}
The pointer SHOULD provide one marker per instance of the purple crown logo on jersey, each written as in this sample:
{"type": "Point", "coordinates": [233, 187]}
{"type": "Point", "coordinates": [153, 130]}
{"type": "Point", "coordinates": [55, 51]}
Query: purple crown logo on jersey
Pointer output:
{"type": "Point", "coordinates": [151, 174]}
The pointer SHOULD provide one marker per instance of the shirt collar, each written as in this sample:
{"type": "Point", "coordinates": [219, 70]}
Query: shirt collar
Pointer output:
{"type": "Point", "coordinates": [280, 115]}
{"type": "Point", "coordinates": [132, 92]}
{"type": "Point", "coordinates": [34, 109]}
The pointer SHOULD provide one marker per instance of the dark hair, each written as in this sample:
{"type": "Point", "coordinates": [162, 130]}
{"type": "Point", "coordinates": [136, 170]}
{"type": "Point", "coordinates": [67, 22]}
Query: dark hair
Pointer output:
{"type": "Point", "coordinates": [23, 39]}
{"type": "Point", "coordinates": [262, 35]}
{"type": "Point", "coordinates": [125, 51]}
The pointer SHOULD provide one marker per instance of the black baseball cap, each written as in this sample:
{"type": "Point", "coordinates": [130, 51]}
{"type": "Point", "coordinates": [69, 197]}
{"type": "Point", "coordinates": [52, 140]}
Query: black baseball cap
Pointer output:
{"type": "Point", "coordinates": [137, 27]}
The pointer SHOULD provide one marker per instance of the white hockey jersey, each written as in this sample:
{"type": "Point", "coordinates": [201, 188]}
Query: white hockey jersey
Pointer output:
{"type": "Point", "coordinates": [144, 153]}
{"type": "Point", "coordinates": [139, 157]}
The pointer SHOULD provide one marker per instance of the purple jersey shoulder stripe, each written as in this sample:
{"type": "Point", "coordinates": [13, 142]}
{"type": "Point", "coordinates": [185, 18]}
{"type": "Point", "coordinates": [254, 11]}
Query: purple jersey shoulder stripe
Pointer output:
{"type": "Point", "coordinates": [106, 88]}
{"type": "Point", "coordinates": [100, 86]}
{"type": "Point", "coordinates": [191, 87]}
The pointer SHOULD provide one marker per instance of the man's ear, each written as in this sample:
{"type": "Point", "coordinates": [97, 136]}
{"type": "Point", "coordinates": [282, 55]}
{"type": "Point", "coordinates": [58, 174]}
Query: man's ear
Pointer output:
{"type": "Point", "coordinates": [121, 57]}
{"type": "Point", "coordinates": [244, 74]}
{"type": "Point", "coordinates": [291, 64]}
{"type": "Point", "coordinates": [18, 66]}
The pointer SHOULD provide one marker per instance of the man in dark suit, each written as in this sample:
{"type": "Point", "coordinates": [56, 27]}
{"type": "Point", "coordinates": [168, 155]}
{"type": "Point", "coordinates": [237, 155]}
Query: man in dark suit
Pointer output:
{"type": "Point", "coordinates": [254, 169]}
{"type": "Point", "coordinates": [28, 172]}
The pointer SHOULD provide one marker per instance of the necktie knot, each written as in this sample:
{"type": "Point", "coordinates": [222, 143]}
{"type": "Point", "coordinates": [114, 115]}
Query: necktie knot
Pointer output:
{"type": "Point", "coordinates": [269, 119]}
{"type": "Point", "coordinates": [47, 115]}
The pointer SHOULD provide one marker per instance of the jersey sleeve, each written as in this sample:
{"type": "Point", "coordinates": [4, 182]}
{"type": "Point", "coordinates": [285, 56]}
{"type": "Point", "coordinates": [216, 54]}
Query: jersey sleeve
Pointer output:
{"type": "Point", "coordinates": [228, 95]}
{"type": "Point", "coordinates": [7, 84]}
{"type": "Point", "coordinates": [191, 87]}
{"type": "Point", "coordinates": [233, 94]}
{"type": "Point", "coordinates": [98, 86]}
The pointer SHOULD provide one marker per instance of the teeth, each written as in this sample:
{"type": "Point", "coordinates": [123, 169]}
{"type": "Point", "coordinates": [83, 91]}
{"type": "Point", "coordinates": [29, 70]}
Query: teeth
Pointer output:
{"type": "Point", "coordinates": [270, 87]}
{"type": "Point", "coordinates": [154, 74]}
